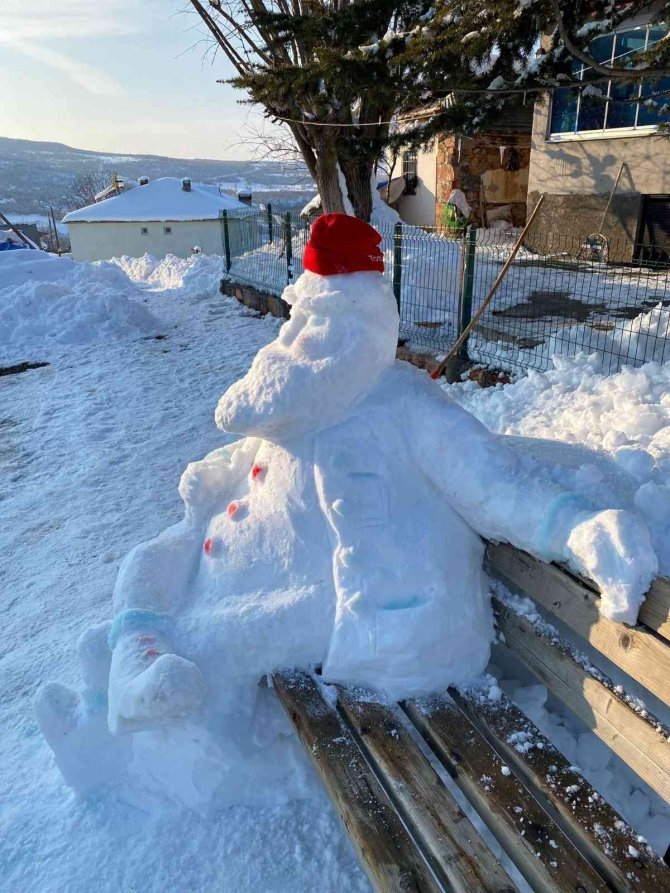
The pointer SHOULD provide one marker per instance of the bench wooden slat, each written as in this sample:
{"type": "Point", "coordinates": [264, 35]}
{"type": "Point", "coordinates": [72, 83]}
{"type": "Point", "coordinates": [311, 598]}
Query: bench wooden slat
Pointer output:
{"type": "Point", "coordinates": [586, 818]}
{"type": "Point", "coordinates": [636, 650]}
{"type": "Point", "coordinates": [655, 612]}
{"type": "Point", "coordinates": [386, 850]}
{"type": "Point", "coordinates": [457, 854]}
{"type": "Point", "coordinates": [536, 845]}
{"type": "Point", "coordinates": [640, 740]}
{"type": "Point", "coordinates": [562, 594]}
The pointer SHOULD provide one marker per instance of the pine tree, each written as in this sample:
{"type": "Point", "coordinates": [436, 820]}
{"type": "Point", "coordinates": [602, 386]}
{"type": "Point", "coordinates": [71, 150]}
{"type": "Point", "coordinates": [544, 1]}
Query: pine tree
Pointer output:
{"type": "Point", "coordinates": [337, 73]}
{"type": "Point", "coordinates": [327, 70]}
{"type": "Point", "coordinates": [517, 50]}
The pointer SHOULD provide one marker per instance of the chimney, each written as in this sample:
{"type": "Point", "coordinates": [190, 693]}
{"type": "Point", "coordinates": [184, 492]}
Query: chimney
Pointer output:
{"type": "Point", "coordinates": [143, 181]}
{"type": "Point", "coordinates": [244, 196]}
{"type": "Point", "coordinates": [186, 184]}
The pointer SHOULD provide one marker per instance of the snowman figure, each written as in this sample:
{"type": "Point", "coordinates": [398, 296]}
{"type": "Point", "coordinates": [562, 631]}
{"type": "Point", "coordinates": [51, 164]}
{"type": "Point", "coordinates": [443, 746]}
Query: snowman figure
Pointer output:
{"type": "Point", "coordinates": [344, 529]}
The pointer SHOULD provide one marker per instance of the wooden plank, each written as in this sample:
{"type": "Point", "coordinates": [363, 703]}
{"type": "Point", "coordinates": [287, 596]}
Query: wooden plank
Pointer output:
{"type": "Point", "coordinates": [448, 840]}
{"type": "Point", "coordinates": [638, 738]}
{"type": "Point", "coordinates": [386, 850]}
{"type": "Point", "coordinates": [654, 612]}
{"type": "Point", "coordinates": [587, 819]}
{"type": "Point", "coordinates": [536, 845]}
{"type": "Point", "coordinates": [636, 650]}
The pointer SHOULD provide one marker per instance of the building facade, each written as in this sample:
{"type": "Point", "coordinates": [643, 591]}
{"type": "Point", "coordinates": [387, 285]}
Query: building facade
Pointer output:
{"type": "Point", "coordinates": [490, 168]}
{"type": "Point", "coordinates": [584, 145]}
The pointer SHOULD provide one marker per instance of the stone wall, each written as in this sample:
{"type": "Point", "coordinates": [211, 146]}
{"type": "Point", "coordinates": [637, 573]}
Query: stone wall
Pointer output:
{"type": "Point", "coordinates": [463, 170]}
{"type": "Point", "coordinates": [256, 300]}
{"type": "Point", "coordinates": [564, 221]}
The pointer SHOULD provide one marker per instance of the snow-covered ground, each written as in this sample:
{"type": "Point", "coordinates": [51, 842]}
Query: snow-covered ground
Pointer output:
{"type": "Point", "coordinates": [91, 451]}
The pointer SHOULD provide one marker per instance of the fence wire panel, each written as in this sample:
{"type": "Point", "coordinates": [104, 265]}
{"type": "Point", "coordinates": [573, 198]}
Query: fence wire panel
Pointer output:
{"type": "Point", "coordinates": [559, 296]}
{"type": "Point", "coordinates": [430, 272]}
{"type": "Point", "coordinates": [568, 296]}
{"type": "Point", "coordinates": [256, 253]}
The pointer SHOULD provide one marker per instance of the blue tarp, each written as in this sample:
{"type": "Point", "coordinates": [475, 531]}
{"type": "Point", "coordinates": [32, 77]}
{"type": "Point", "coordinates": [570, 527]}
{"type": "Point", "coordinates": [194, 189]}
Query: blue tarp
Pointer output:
{"type": "Point", "coordinates": [11, 246]}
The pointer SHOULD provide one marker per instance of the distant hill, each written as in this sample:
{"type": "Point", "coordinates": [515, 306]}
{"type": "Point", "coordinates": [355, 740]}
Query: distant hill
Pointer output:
{"type": "Point", "coordinates": [35, 175]}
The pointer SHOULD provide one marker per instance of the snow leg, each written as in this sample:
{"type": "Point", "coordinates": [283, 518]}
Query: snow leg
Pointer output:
{"type": "Point", "coordinates": [148, 685]}
{"type": "Point", "coordinates": [75, 724]}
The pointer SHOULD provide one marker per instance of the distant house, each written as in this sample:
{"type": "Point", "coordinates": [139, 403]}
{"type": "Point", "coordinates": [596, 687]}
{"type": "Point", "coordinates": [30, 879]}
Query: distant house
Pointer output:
{"type": "Point", "coordinates": [579, 146]}
{"type": "Point", "coordinates": [158, 217]}
{"type": "Point", "coordinates": [490, 168]}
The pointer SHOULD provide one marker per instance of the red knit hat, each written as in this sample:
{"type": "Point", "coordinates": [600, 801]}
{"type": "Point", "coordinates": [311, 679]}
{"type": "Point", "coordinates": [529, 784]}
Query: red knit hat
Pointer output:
{"type": "Point", "coordinates": [339, 243]}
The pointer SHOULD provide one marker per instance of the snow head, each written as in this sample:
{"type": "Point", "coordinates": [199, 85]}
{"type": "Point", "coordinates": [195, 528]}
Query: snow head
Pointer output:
{"type": "Point", "coordinates": [341, 337]}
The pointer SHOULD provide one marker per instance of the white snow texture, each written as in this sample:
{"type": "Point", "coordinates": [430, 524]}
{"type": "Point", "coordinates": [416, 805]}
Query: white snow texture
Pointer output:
{"type": "Point", "coordinates": [48, 301]}
{"type": "Point", "coordinates": [343, 529]}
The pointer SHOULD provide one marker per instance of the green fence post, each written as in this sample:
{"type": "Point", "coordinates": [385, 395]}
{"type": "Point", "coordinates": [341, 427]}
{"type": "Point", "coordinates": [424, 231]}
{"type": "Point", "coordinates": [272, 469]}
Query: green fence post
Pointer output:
{"type": "Point", "coordinates": [468, 287]}
{"type": "Point", "coordinates": [226, 239]}
{"type": "Point", "coordinates": [397, 262]}
{"type": "Point", "coordinates": [270, 233]}
{"type": "Point", "coordinates": [289, 247]}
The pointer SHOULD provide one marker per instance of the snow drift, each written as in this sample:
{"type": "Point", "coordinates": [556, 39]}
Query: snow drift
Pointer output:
{"type": "Point", "coordinates": [47, 300]}
{"type": "Point", "coordinates": [197, 276]}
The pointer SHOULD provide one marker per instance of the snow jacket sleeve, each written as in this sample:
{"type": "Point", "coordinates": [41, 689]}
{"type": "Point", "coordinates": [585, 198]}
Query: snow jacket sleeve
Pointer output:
{"type": "Point", "coordinates": [485, 482]}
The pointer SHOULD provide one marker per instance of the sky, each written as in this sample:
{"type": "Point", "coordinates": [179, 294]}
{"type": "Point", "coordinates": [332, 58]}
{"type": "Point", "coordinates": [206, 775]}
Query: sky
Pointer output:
{"type": "Point", "coordinates": [116, 76]}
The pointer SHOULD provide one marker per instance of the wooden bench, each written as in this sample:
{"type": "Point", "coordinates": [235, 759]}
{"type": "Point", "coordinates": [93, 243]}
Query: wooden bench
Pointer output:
{"type": "Point", "coordinates": [384, 764]}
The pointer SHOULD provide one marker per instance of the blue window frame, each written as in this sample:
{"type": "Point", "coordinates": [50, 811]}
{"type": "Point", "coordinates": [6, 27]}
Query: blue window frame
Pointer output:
{"type": "Point", "coordinates": [583, 111]}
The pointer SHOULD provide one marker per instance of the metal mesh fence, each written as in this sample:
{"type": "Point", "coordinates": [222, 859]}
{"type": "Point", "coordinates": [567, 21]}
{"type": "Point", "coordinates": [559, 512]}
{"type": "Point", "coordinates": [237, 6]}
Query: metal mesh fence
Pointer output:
{"type": "Point", "coordinates": [560, 295]}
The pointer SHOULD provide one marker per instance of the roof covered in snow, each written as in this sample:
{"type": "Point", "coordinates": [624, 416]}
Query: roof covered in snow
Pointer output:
{"type": "Point", "coordinates": [162, 199]}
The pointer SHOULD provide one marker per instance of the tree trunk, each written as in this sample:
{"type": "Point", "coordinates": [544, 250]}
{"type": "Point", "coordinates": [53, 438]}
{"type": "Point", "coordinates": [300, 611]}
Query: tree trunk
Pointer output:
{"type": "Point", "coordinates": [357, 174]}
{"type": "Point", "coordinates": [327, 179]}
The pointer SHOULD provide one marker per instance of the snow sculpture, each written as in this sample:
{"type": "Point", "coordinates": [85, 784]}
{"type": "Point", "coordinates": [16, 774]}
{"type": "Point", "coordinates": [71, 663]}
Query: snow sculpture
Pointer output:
{"type": "Point", "coordinates": [344, 529]}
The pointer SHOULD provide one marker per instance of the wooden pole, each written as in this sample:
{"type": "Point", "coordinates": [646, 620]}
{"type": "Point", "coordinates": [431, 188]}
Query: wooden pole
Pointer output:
{"type": "Point", "coordinates": [24, 239]}
{"type": "Point", "coordinates": [56, 239]}
{"type": "Point", "coordinates": [494, 288]}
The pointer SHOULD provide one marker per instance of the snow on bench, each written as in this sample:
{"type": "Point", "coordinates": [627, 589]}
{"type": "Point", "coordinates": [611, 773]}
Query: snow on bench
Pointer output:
{"type": "Point", "coordinates": [406, 825]}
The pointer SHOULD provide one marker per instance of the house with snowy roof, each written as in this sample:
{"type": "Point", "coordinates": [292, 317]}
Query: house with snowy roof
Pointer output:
{"type": "Point", "coordinates": [159, 217]}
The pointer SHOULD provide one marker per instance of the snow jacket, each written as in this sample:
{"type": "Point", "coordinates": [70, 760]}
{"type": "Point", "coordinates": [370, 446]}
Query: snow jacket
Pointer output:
{"type": "Point", "coordinates": [407, 485]}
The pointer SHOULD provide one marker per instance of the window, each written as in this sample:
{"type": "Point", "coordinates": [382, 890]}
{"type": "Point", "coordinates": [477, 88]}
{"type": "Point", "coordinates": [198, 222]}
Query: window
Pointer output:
{"type": "Point", "coordinates": [582, 111]}
{"type": "Point", "coordinates": [409, 172]}
{"type": "Point", "coordinates": [167, 230]}
{"type": "Point", "coordinates": [144, 230]}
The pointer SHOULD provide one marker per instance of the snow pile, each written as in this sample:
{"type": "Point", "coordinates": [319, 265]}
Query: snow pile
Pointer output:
{"type": "Point", "coordinates": [202, 279]}
{"type": "Point", "coordinates": [47, 301]}
{"type": "Point", "coordinates": [623, 418]}
{"type": "Point", "coordinates": [19, 267]}
{"type": "Point", "coordinates": [149, 271]}
{"type": "Point", "coordinates": [197, 276]}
